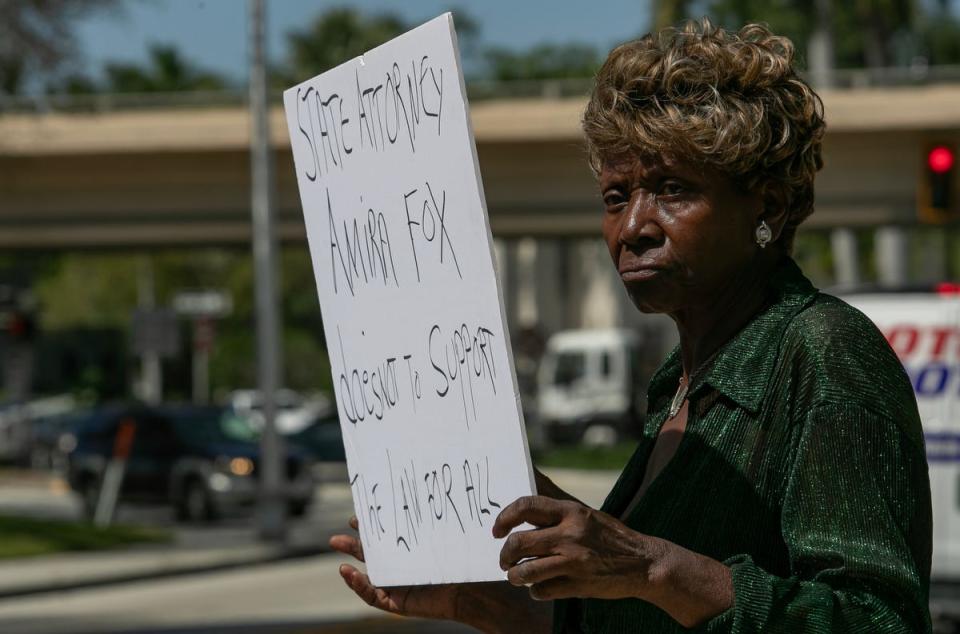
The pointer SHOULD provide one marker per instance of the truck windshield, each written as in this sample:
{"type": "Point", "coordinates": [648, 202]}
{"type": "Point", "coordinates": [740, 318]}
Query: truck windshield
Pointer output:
{"type": "Point", "coordinates": [571, 366]}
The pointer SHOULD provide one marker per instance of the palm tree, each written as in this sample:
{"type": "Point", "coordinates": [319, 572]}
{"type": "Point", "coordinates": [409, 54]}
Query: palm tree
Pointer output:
{"type": "Point", "coordinates": [166, 71]}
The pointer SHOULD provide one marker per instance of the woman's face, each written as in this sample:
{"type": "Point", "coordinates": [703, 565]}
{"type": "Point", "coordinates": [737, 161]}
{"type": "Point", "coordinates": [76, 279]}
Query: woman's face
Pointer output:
{"type": "Point", "coordinates": [680, 234]}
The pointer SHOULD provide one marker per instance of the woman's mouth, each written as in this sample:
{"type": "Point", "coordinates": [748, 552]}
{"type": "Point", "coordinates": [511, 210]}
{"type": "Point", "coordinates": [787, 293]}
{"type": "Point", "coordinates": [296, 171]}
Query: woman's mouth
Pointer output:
{"type": "Point", "coordinates": [639, 274]}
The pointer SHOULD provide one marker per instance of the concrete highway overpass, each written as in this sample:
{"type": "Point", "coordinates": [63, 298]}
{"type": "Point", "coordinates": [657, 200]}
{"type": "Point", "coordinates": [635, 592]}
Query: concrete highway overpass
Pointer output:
{"type": "Point", "coordinates": [179, 176]}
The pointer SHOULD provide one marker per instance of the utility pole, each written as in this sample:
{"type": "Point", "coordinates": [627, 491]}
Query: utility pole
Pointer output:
{"type": "Point", "coordinates": [151, 368]}
{"type": "Point", "coordinates": [272, 513]}
{"type": "Point", "coordinates": [821, 50]}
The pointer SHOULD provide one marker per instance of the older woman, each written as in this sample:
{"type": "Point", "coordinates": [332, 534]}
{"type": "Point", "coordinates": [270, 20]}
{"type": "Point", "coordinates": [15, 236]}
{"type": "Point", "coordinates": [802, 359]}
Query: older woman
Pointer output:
{"type": "Point", "coordinates": [780, 484]}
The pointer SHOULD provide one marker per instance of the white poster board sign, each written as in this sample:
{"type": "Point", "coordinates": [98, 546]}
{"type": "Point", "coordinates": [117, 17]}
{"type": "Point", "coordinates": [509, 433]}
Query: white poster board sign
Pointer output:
{"type": "Point", "coordinates": [402, 253]}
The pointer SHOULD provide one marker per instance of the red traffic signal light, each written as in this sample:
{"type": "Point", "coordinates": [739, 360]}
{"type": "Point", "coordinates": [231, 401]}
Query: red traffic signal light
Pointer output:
{"type": "Point", "coordinates": [936, 200]}
{"type": "Point", "coordinates": [940, 159]}
{"type": "Point", "coordinates": [20, 326]}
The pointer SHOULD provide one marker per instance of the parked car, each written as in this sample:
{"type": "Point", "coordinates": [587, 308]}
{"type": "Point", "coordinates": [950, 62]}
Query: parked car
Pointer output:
{"type": "Point", "coordinates": [203, 460]}
{"type": "Point", "coordinates": [52, 438]}
{"type": "Point", "coordinates": [294, 411]}
{"type": "Point", "coordinates": [322, 440]}
{"type": "Point", "coordinates": [14, 432]}
{"type": "Point", "coordinates": [16, 424]}
{"type": "Point", "coordinates": [590, 386]}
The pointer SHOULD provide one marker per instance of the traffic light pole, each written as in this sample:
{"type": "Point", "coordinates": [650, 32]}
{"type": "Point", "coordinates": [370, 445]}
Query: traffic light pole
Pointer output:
{"type": "Point", "coordinates": [272, 507]}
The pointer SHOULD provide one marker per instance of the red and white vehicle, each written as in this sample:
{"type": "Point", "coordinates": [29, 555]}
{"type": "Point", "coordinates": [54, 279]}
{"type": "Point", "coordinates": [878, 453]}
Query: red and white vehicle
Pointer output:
{"type": "Point", "coordinates": [923, 328]}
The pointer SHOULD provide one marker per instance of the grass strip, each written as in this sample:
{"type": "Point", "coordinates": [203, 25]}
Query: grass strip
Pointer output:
{"type": "Point", "coordinates": [27, 536]}
{"type": "Point", "coordinates": [614, 457]}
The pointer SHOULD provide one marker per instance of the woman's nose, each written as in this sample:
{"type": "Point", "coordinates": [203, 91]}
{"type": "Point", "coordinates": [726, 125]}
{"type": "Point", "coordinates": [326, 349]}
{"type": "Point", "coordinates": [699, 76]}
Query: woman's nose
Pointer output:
{"type": "Point", "coordinates": [640, 221]}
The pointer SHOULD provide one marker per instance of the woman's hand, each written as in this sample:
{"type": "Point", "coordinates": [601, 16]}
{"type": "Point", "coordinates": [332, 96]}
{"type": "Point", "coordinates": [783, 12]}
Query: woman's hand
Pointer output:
{"type": "Point", "coordinates": [489, 607]}
{"type": "Point", "coordinates": [576, 551]}
{"type": "Point", "coordinates": [432, 602]}
{"type": "Point", "coordinates": [547, 488]}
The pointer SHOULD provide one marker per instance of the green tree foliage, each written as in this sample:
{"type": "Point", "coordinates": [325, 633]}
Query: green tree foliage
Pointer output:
{"type": "Point", "coordinates": [99, 291]}
{"type": "Point", "coordinates": [866, 33]}
{"type": "Point", "coordinates": [166, 71]}
{"type": "Point", "coordinates": [36, 37]}
{"type": "Point", "coordinates": [545, 61]}
{"type": "Point", "coordinates": [668, 12]}
{"type": "Point", "coordinates": [941, 40]}
{"type": "Point", "coordinates": [84, 290]}
{"type": "Point", "coordinates": [342, 33]}
{"type": "Point", "coordinates": [338, 35]}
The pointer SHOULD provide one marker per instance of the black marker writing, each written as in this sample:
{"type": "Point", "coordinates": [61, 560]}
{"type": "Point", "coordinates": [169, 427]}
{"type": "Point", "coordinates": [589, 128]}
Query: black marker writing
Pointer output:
{"type": "Point", "coordinates": [464, 356]}
{"type": "Point", "coordinates": [363, 392]}
{"type": "Point", "coordinates": [363, 251]}
{"type": "Point", "coordinates": [430, 223]}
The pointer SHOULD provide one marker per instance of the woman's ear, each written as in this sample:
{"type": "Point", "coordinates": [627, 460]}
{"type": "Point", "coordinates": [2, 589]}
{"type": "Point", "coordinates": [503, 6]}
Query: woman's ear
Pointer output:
{"type": "Point", "coordinates": [774, 211]}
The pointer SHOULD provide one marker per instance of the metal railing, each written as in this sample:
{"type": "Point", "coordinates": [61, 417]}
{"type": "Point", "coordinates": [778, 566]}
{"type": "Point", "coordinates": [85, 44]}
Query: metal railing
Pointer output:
{"type": "Point", "coordinates": [478, 90]}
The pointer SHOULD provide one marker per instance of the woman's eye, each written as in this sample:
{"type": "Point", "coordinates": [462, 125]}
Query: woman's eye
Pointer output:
{"type": "Point", "coordinates": [672, 188]}
{"type": "Point", "coordinates": [614, 199]}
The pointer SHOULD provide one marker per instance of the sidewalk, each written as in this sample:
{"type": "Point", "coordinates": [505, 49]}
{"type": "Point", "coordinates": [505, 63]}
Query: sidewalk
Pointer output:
{"type": "Point", "coordinates": [52, 573]}
{"type": "Point", "coordinates": [195, 548]}
{"type": "Point", "coordinates": [201, 550]}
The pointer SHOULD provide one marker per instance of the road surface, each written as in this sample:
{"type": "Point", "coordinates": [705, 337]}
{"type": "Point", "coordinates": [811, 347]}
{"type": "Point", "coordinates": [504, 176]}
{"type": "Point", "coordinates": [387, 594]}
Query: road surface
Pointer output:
{"type": "Point", "coordinates": [303, 595]}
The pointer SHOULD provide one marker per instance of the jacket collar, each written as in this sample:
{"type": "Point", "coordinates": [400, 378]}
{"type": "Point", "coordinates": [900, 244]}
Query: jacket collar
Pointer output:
{"type": "Point", "coordinates": [742, 368]}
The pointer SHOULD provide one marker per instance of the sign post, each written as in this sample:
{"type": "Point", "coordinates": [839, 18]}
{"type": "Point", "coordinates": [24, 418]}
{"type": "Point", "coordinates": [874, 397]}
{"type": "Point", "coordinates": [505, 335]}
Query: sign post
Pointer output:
{"type": "Point", "coordinates": [113, 474]}
{"type": "Point", "coordinates": [202, 307]}
{"type": "Point", "coordinates": [413, 315]}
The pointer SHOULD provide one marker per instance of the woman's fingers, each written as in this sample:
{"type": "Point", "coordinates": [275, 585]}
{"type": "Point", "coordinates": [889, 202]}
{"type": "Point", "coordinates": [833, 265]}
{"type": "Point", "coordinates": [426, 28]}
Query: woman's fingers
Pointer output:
{"type": "Point", "coordinates": [523, 544]}
{"type": "Point", "coordinates": [371, 595]}
{"type": "Point", "coordinates": [360, 584]}
{"type": "Point", "coordinates": [538, 570]}
{"type": "Point", "coordinates": [348, 545]}
{"type": "Point", "coordinates": [555, 588]}
{"type": "Point", "coordinates": [531, 509]}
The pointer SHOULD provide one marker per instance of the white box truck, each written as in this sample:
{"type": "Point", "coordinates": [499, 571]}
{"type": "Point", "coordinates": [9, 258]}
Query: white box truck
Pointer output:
{"type": "Point", "coordinates": [591, 386]}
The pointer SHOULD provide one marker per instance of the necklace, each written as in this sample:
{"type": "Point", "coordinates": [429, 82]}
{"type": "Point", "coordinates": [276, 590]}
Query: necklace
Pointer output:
{"type": "Point", "coordinates": [681, 394]}
{"type": "Point", "coordinates": [678, 398]}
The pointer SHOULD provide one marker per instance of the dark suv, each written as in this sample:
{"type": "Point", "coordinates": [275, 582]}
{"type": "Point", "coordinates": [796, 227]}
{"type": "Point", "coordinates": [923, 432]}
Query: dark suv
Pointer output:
{"type": "Point", "coordinates": [203, 460]}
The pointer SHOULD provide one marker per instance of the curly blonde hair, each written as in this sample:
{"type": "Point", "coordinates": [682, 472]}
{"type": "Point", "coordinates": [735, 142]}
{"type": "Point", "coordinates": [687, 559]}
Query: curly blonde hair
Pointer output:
{"type": "Point", "coordinates": [730, 100]}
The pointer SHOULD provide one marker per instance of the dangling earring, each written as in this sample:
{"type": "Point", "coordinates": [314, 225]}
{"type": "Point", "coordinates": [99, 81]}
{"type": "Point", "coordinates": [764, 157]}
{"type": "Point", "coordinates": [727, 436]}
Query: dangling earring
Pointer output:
{"type": "Point", "coordinates": [763, 234]}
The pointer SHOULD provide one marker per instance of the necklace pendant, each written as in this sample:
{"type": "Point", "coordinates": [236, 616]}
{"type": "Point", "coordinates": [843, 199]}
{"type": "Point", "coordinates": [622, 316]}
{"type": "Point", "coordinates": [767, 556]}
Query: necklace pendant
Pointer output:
{"type": "Point", "coordinates": [678, 399]}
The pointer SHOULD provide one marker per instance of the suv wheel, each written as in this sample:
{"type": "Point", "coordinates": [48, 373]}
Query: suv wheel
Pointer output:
{"type": "Point", "coordinates": [196, 505]}
{"type": "Point", "coordinates": [298, 508]}
{"type": "Point", "coordinates": [90, 496]}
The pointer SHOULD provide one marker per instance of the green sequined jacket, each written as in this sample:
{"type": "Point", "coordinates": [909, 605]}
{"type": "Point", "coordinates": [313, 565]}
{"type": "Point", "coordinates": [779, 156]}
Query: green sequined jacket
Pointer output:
{"type": "Point", "coordinates": [802, 467]}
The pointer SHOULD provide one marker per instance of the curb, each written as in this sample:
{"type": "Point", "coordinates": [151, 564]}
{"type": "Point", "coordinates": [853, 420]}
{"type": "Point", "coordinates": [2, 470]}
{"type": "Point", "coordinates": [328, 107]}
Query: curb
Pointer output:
{"type": "Point", "coordinates": [153, 572]}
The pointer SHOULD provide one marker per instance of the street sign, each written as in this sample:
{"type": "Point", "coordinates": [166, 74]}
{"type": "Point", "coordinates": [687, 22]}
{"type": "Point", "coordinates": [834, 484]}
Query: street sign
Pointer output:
{"type": "Point", "coordinates": [203, 303]}
{"type": "Point", "coordinates": [155, 331]}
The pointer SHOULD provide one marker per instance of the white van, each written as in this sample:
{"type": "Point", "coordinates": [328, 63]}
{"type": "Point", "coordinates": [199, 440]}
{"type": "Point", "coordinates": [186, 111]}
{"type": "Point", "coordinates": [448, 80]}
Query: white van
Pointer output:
{"type": "Point", "coordinates": [924, 331]}
{"type": "Point", "coordinates": [589, 386]}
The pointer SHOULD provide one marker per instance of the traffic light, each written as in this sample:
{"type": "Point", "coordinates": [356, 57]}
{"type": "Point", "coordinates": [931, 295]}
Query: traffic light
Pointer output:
{"type": "Point", "coordinates": [20, 326]}
{"type": "Point", "coordinates": [936, 195]}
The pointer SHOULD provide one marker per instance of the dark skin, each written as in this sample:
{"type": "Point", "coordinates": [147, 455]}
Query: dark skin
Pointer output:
{"type": "Point", "coordinates": [681, 235]}
{"type": "Point", "coordinates": [489, 607]}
